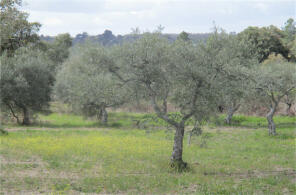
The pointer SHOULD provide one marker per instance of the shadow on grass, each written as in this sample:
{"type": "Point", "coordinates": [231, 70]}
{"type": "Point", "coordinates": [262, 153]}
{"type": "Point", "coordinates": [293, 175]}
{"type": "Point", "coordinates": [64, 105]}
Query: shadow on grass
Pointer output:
{"type": "Point", "coordinates": [69, 125]}
{"type": "Point", "coordinates": [255, 122]}
{"type": "Point", "coordinates": [149, 121]}
{"type": "Point", "coordinates": [259, 125]}
{"type": "Point", "coordinates": [115, 120]}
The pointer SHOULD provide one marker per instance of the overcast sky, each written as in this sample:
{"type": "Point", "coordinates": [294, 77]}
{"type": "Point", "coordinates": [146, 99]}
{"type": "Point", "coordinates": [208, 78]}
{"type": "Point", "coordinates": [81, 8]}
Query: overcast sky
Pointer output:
{"type": "Point", "coordinates": [119, 16]}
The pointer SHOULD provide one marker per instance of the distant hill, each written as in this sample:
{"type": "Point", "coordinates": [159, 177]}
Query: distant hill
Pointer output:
{"type": "Point", "coordinates": [108, 38]}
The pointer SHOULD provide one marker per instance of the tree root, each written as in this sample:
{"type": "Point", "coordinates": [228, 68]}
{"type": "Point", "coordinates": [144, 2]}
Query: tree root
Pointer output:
{"type": "Point", "coordinates": [179, 165]}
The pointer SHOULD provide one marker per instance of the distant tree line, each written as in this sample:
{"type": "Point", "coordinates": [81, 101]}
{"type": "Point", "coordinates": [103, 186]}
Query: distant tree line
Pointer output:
{"type": "Point", "coordinates": [108, 38]}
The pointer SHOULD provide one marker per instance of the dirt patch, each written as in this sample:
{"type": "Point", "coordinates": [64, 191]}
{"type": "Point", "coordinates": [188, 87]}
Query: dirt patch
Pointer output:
{"type": "Point", "coordinates": [54, 128]}
{"type": "Point", "coordinates": [255, 173]}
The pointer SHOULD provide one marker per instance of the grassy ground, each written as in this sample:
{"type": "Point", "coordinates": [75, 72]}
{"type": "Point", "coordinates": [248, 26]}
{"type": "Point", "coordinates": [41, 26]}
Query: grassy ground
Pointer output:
{"type": "Point", "coordinates": [66, 154]}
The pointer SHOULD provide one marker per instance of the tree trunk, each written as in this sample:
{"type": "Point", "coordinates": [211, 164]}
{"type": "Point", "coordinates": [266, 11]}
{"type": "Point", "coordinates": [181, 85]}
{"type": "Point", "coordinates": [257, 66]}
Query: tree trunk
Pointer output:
{"type": "Point", "coordinates": [26, 119]}
{"type": "Point", "coordinates": [230, 112]}
{"type": "Point", "coordinates": [288, 110]}
{"type": "Point", "coordinates": [271, 125]}
{"type": "Point", "coordinates": [189, 138]}
{"type": "Point", "coordinates": [176, 158]}
{"type": "Point", "coordinates": [104, 115]}
{"type": "Point", "coordinates": [165, 106]}
{"type": "Point", "coordinates": [196, 130]}
{"type": "Point", "coordinates": [220, 108]}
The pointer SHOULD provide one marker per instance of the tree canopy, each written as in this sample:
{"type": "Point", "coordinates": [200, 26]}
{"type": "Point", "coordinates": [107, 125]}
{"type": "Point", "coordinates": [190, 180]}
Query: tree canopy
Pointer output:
{"type": "Point", "coordinates": [266, 40]}
{"type": "Point", "coordinates": [25, 83]}
{"type": "Point", "coordinates": [84, 83]}
{"type": "Point", "coordinates": [15, 29]}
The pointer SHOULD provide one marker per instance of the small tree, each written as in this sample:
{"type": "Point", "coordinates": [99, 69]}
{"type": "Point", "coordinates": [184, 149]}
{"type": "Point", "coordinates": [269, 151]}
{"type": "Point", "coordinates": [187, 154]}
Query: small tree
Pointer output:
{"type": "Point", "coordinates": [84, 83]}
{"type": "Point", "coordinates": [273, 82]}
{"type": "Point", "coordinates": [25, 83]}
{"type": "Point", "coordinates": [183, 36]}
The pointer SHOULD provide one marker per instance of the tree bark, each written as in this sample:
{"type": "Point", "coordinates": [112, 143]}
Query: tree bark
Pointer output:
{"type": "Point", "coordinates": [189, 138]}
{"type": "Point", "coordinates": [165, 106]}
{"type": "Point", "coordinates": [271, 124]}
{"type": "Point", "coordinates": [104, 115]}
{"type": "Point", "coordinates": [176, 158]}
{"type": "Point", "coordinates": [13, 114]}
{"type": "Point", "coordinates": [230, 112]}
{"type": "Point", "coordinates": [178, 144]}
{"type": "Point", "coordinates": [26, 119]}
{"type": "Point", "coordinates": [288, 110]}
{"type": "Point", "coordinates": [196, 131]}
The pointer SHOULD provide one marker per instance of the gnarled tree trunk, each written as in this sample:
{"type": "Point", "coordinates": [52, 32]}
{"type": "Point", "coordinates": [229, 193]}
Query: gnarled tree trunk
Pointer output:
{"type": "Point", "coordinates": [288, 110]}
{"type": "Point", "coordinates": [231, 110]}
{"type": "Point", "coordinates": [195, 131]}
{"type": "Point", "coordinates": [271, 124]}
{"type": "Point", "coordinates": [178, 144]}
{"type": "Point", "coordinates": [103, 115]}
{"type": "Point", "coordinates": [13, 113]}
{"type": "Point", "coordinates": [230, 113]}
{"type": "Point", "coordinates": [26, 118]}
{"type": "Point", "coordinates": [176, 158]}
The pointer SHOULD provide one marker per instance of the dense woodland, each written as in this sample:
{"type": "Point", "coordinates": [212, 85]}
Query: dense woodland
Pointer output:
{"type": "Point", "coordinates": [200, 75]}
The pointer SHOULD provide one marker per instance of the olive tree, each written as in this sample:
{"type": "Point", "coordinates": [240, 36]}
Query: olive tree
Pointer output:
{"type": "Point", "coordinates": [84, 83]}
{"type": "Point", "coordinates": [238, 55]}
{"type": "Point", "coordinates": [25, 83]}
{"type": "Point", "coordinates": [273, 82]}
{"type": "Point", "coordinates": [188, 75]}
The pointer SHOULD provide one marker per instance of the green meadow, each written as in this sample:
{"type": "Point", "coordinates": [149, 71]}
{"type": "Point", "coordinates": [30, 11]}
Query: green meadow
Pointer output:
{"type": "Point", "coordinates": [67, 154]}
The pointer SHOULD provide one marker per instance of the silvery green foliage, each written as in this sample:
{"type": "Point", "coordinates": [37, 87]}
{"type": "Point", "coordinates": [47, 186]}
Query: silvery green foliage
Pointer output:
{"type": "Point", "coordinates": [273, 82]}
{"type": "Point", "coordinates": [237, 59]}
{"type": "Point", "coordinates": [25, 82]}
{"type": "Point", "coordinates": [191, 76]}
{"type": "Point", "coordinates": [85, 83]}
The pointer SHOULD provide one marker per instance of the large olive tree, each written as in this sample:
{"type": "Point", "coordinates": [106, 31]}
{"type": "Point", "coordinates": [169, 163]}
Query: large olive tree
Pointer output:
{"type": "Point", "coordinates": [188, 75]}
{"type": "Point", "coordinates": [273, 82]}
{"type": "Point", "coordinates": [85, 84]}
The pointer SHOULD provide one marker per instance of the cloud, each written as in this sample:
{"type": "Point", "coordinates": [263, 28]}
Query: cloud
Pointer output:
{"type": "Point", "coordinates": [263, 7]}
{"type": "Point", "coordinates": [65, 6]}
{"type": "Point", "coordinates": [52, 22]}
{"type": "Point", "coordinates": [94, 16]}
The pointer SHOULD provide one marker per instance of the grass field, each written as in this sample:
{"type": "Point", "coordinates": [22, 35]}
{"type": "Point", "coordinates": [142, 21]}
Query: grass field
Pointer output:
{"type": "Point", "coordinates": [65, 154]}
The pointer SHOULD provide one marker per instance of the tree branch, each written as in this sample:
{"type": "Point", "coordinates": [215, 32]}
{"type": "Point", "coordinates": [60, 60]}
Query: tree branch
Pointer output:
{"type": "Point", "coordinates": [157, 109]}
{"type": "Point", "coordinates": [14, 115]}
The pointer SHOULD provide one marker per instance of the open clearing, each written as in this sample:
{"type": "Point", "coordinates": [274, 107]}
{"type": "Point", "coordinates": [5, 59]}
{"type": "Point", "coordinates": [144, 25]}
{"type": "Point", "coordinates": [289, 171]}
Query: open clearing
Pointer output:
{"type": "Point", "coordinates": [78, 158]}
